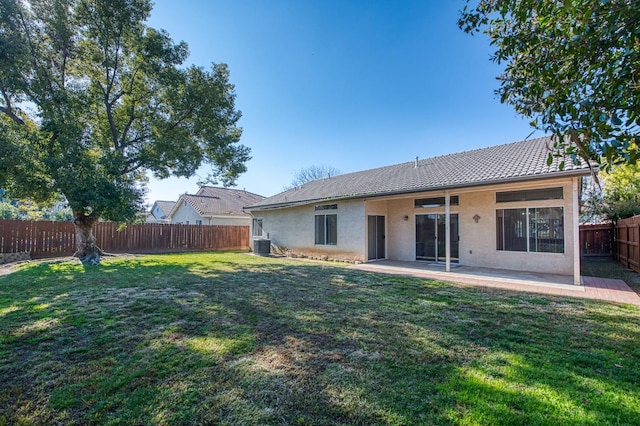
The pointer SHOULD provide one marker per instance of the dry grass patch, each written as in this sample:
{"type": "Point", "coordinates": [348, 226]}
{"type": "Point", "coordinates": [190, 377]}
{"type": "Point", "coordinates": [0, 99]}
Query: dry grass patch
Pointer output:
{"type": "Point", "coordinates": [225, 338]}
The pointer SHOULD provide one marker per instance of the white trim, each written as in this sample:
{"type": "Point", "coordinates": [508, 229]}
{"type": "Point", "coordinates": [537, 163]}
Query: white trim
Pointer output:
{"type": "Point", "coordinates": [576, 230]}
{"type": "Point", "coordinates": [447, 231]}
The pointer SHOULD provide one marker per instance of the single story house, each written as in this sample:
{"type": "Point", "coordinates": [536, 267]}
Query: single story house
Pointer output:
{"type": "Point", "coordinates": [500, 207]}
{"type": "Point", "coordinates": [214, 206]}
{"type": "Point", "coordinates": [160, 211]}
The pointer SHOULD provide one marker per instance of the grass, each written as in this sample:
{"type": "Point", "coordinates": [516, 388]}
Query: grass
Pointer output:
{"type": "Point", "coordinates": [608, 267]}
{"type": "Point", "coordinates": [228, 338]}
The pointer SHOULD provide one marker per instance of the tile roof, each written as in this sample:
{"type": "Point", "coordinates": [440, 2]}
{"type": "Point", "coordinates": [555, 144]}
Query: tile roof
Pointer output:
{"type": "Point", "coordinates": [525, 160]}
{"type": "Point", "coordinates": [220, 201]}
{"type": "Point", "coordinates": [216, 191]}
{"type": "Point", "coordinates": [165, 206]}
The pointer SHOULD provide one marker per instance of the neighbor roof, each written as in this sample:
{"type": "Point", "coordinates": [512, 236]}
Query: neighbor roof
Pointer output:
{"type": "Point", "coordinates": [165, 206]}
{"type": "Point", "coordinates": [216, 191]}
{"type": "Point", "coordinates": [220, 201]}
{"type": "Point", "coordinates": [512, 162]}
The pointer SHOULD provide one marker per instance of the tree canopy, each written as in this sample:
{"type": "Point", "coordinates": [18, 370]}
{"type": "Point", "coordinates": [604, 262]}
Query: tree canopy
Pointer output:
{"type": "Point", "coordinates": [92, 99]}
{"type": "Point", "coordinates": [572, 67]}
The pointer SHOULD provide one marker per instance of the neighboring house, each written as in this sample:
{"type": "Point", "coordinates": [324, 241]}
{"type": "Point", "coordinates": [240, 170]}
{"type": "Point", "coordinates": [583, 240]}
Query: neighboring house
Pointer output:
{"type": "Point", "coordinates": [160, 212]}
{"type": "Point", "coordinates": [497, 207]}
{"type": "Point", "coordinates": [214, 206]}
{"type": "Point", "coordinates": [149, 218]}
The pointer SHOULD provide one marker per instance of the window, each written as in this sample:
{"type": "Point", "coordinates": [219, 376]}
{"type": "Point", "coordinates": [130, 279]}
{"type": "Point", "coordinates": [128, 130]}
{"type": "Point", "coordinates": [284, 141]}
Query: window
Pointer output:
{"type": "Point", "coordinates": [435, 202]}
{"type": "Point", "coordinates": [257, 227]}
{"type": "Point", "coordinates": [327, 207]}
{"type": "Point", "coordinates": [546, 230]}
{"type": "Point", "coordinates": [530, 229]}
{"type": "Point", "coordinates": [326, 228]}
{"type": "Point", "coordinates": [198, 222]}
{"type": "Point", "coordinates": [530, 195]}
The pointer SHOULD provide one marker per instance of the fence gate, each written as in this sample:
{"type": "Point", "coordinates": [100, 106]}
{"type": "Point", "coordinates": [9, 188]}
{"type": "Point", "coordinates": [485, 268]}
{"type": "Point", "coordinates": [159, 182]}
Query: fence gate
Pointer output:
{"type": "Point", "coordinates": [596, 240]}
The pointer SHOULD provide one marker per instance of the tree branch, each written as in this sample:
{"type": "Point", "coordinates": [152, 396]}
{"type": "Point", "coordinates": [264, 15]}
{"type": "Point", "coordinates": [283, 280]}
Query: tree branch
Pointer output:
{"type": "Point", "coordinates": [111, 79]}
{"type": "Point", "coordinates": [131, 165]}
{"type": "Point", "coordinates": [127, 126]}
{"type": "Point", "coordinates": [41, 71]}
{"type": "Point", "coordinates": [8, 110]}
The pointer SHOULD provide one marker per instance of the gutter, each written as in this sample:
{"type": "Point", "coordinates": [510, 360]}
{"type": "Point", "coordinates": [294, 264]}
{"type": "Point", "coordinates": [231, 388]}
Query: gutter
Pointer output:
{"type": "Point", "coordinates": [572, 173]}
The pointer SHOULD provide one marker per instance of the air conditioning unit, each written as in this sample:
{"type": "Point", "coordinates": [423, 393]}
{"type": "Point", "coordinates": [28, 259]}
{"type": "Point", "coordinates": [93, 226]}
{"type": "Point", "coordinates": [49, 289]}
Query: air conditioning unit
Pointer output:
{"type": "Point", "coordinates": [262, 247]}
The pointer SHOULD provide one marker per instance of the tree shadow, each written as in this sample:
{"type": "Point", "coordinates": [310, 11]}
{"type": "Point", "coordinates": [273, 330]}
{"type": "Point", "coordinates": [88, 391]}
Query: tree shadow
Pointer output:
{"type": "Point", "coordinates": [267, 341]}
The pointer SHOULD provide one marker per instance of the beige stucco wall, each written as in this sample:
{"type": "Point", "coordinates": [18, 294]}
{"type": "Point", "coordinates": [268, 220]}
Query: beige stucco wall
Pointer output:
{"type": "Point", "coordinates": [294, 229]}
{"type": "Point", "coordinates": [478, 240]}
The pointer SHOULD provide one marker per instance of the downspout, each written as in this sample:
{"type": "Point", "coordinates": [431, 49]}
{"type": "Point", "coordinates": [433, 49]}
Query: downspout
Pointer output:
{"type": "Point", "coordinates": [250, 223]}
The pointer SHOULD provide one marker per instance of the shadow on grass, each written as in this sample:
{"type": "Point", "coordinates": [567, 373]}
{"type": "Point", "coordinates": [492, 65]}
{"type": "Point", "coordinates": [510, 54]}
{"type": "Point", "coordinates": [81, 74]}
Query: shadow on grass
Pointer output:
{"type": "Point", "coordinates": [234, 339]}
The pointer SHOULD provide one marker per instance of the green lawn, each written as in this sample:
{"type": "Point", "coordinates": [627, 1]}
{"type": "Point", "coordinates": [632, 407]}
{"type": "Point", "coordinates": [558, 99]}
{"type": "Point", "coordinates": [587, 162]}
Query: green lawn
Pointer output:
{"type": "Point", "coordinates": [228, 338]}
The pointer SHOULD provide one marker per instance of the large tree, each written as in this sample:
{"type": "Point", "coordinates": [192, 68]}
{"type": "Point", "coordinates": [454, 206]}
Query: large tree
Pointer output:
{"type": "Point", "coordinates": [92, 100]}
{"type": "Point", "coordinates": [572, 67]}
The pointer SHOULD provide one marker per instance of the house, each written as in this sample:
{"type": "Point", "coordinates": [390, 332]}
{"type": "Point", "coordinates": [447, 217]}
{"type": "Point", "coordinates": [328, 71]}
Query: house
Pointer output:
{"type": "Point", "coordinates": [499, 207]}
{"type": "Point", "coordinates": [159, 212]}
{"type": "Point", "coordinates": [214, 206]}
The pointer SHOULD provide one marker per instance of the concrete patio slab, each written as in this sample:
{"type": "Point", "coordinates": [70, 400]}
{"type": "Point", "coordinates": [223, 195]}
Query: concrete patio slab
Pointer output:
{"type": "Point", "coordinates": [561, 285]}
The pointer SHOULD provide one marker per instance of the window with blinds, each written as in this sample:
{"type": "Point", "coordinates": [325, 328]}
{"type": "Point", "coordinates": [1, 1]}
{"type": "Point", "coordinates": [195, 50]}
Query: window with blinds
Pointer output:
{"type": "Point", "coordinates": [530, 229]}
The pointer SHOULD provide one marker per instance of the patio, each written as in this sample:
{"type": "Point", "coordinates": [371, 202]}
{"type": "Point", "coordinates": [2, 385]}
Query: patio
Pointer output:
{"type": "Point", "coordinates": [561, 285]}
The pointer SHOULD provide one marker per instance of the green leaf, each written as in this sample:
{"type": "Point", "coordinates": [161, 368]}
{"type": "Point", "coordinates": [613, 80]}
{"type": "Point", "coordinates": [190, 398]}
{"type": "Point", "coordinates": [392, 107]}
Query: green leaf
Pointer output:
{"type": "Point", "coordinates": [567, 64]}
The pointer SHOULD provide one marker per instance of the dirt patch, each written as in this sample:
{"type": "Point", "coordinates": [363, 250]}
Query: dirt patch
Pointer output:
{"type": "Point", "coordinates": [7, 269]}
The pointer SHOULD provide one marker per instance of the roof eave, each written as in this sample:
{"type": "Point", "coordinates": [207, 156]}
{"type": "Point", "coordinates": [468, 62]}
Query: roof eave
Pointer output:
{"type": "Point", "coordinates": [516, 179]}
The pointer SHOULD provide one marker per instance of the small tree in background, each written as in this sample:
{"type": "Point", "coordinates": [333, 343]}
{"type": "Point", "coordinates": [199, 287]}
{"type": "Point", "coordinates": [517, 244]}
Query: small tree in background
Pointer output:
{"type": "Point", "coordinates": [621, 192]}
{"type": "Point", "coordinates": [8, 211]}
{"type": "Point", "coordinates": [311, 173]}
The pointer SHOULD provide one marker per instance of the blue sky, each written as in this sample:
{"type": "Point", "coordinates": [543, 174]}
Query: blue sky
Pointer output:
{"type": "Point", "coordinates": [350, 84]}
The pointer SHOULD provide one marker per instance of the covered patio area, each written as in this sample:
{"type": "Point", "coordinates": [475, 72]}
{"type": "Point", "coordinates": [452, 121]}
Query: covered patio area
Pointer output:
{"type": "Point", "coordinates": [560, 285]}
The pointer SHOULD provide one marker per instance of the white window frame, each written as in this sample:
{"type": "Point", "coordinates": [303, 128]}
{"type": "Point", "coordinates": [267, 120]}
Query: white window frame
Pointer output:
{"type": "Point", "coordinates": [253, 227]}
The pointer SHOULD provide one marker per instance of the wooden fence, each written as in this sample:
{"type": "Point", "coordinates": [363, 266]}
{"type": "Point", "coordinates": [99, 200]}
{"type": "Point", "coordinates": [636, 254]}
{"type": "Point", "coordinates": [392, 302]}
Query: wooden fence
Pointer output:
{"type": "Point", "coordinates": [52, 239]}
{"type": "Point", "coordinates": [627, 242]}
{"type": "Point", "coordinates": [596, 240]}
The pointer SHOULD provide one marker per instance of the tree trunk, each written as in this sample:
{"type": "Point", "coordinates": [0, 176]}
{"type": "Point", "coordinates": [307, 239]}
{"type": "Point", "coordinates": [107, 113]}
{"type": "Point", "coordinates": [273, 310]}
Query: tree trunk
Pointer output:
{"type": "Point", "coordinates": [86, 249]}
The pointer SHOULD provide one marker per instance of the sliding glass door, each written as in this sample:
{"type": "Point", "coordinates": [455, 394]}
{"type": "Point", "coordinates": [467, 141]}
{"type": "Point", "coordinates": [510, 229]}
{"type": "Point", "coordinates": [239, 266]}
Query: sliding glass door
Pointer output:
{"type": "Point", "coordinates": [430, 237]}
